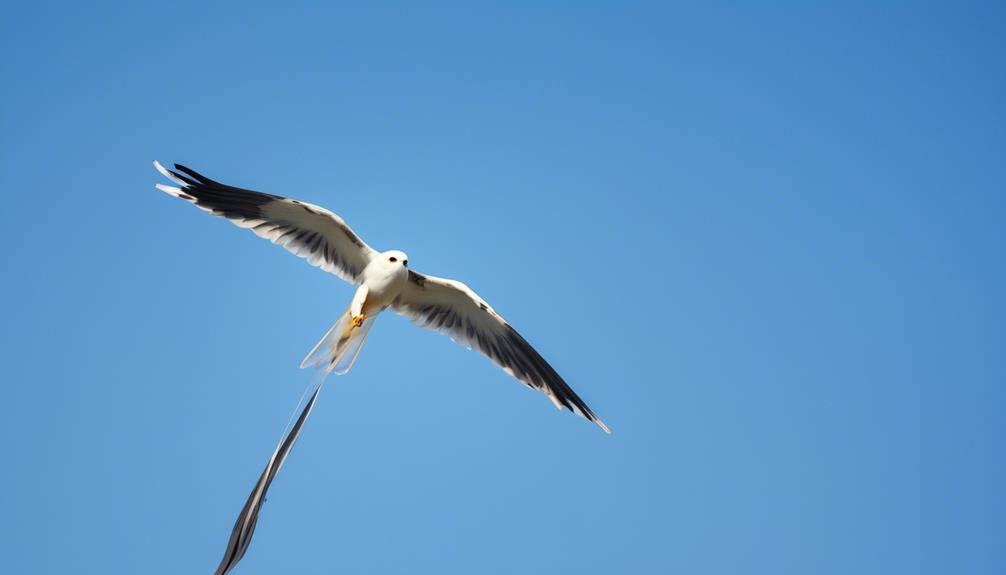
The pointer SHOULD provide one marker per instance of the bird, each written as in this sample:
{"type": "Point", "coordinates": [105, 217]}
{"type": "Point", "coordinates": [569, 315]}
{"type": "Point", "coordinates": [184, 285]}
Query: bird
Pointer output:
{"type": "Point", "coordinates": [384, 279]}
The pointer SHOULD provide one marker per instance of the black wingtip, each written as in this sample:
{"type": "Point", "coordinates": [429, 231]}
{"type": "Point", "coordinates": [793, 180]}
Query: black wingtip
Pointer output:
{"type": "Point", "coordinates": [199, 177]}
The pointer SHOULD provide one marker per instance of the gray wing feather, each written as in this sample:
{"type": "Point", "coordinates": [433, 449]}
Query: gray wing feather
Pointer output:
{"type": "Point", "coordinates": [306, 230]}
{"type": "Point", "coordinates": [452, 308]}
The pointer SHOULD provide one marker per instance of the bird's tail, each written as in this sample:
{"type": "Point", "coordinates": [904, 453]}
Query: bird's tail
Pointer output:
{"type": "Point", "coordinates": [338, 349]}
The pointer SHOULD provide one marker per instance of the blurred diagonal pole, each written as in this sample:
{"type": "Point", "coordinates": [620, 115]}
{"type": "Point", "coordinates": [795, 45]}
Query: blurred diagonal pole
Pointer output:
{"type": "Point", "coordinates": [244, 527]}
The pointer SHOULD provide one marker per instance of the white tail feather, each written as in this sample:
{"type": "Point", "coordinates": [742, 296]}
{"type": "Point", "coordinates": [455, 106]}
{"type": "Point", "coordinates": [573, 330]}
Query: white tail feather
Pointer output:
{"type": "Point", "coordinates": [339, 347]}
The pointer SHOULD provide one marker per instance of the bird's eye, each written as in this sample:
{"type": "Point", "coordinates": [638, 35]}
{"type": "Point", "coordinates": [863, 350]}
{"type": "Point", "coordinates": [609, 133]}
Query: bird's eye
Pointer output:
{"type": "Point", "coordinates": [405, 263]}
{"type": "Point", "coordinates": [392, 259]}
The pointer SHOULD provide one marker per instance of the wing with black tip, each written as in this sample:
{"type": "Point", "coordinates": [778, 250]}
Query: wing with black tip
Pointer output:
{"type": "Point", "coordinates": [452, 308]}
{"type": "Point", "coordinates": [306, 230]}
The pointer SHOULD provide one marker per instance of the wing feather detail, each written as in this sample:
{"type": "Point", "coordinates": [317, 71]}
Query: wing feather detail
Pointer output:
{"type": "Point", "coordinates": [305, 230]}
{"type": "Point", "coordinates": [452, 308]}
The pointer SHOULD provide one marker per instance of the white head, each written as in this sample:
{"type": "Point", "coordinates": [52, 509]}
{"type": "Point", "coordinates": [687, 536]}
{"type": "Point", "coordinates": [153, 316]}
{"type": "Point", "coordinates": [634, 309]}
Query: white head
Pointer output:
{"type": "Point", "coordinates": [394, 258]}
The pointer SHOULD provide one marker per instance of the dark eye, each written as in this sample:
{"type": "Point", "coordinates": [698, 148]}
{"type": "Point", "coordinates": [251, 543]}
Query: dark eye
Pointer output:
{"type": "Point", "coordinates": [392, 259]}
{"type": "Point", "coordinates": [405, 263]}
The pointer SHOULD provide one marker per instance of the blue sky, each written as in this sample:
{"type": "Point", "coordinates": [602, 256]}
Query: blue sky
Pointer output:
{"type": "Point", "coordinates": [764, 242]}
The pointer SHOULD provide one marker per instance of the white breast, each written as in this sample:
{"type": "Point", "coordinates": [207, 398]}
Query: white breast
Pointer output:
{"type": "Point", "coordinates": [384, 282]}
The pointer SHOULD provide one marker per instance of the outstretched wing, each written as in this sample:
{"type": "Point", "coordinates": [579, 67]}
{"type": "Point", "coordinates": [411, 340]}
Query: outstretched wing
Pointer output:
{"type": "Point", "coordinates": [305, 230]}
{"type": "Point", "coordinates": [453, 308]}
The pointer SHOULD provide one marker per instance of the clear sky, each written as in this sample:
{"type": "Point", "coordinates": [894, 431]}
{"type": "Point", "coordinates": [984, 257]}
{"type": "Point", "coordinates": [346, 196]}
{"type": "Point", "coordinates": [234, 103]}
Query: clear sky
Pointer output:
{"type": "Point", "coordinates": [763, 241]}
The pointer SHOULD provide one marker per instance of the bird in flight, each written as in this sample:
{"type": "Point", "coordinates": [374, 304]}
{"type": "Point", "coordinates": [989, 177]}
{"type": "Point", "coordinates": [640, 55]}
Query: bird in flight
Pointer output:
{"type": "Point", "coordinates": [384, 279]}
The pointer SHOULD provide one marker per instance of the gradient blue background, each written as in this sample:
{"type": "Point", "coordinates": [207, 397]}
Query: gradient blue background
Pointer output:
{"type": "Point", "coordinates": [764, 242]}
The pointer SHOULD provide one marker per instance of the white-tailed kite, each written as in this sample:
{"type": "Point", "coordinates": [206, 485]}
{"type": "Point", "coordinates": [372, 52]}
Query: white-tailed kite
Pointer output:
{"type": "Point", "coordinates": [324, 240]}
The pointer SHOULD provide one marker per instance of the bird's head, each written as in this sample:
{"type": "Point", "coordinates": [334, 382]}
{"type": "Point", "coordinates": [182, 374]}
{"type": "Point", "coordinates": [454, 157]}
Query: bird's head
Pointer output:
{"type": "Point", "coordinates": [395, 258]}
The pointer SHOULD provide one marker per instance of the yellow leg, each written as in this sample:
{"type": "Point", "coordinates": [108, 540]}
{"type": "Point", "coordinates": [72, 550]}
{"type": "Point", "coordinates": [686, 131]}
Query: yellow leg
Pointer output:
{"type": "Point", "coordinates": [358, 320]}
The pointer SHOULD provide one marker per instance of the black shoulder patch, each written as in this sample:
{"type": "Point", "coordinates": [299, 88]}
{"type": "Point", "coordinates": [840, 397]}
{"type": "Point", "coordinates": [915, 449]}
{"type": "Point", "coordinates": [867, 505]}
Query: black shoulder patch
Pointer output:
{"type": "Point", "coordinates": [417, 279]}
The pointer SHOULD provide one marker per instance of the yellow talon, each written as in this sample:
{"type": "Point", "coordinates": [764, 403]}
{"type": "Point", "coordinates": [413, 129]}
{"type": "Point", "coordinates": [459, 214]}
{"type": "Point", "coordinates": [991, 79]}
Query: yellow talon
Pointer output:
{"type": "Point", "coordinates": [358, 320]}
